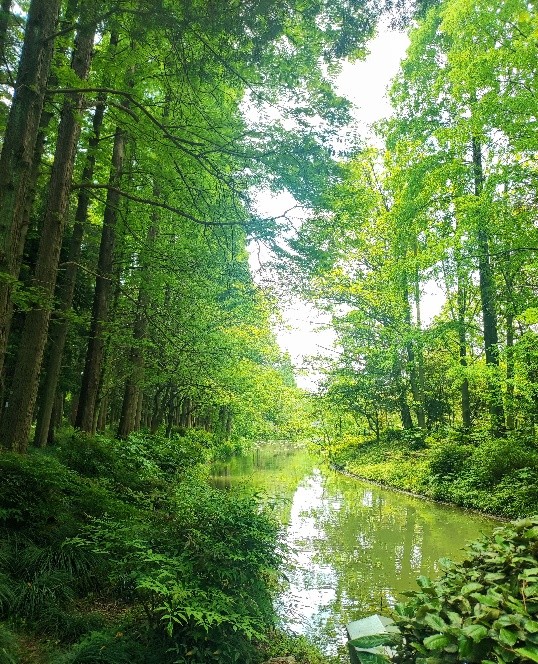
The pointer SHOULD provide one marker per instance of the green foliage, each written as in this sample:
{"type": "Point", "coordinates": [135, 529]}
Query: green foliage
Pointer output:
{"type": "Point", "coordinates": [283, 644]}
{"type": "Point", "coordinates": [482, 609]}
{"type": "Point", "coordinates": [9, 647]}
{"type": "Point", "coordinates": [104, 647]}
{"type": "Point", "coordinates": [494, 475]}
{"type": "Point", "coordinates": [448, 459]}
{"type": "Point", "coordinates": [215, 586]}
{"type": "Point", "coordinates": [135, 524]}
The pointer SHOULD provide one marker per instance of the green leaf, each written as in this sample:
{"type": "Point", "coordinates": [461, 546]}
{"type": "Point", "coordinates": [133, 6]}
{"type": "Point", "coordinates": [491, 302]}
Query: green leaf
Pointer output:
{"type": "Point", "coordinates": [372, 658]}
{"type": "Point", "coordinates": [530, 652]}
{"type": "Point", "coordinates": [488, 599]}
{"type": "Point", "coordinates": [435, 622]}
{"type": "Point", "coordinates": [531, 626]}
{"type": "Point", "coordinates": [475, 632]}
{"type": "Point", "coordinates": [507, 636]}
{"type": "Point", "coordinates": [437, 642]}
{"type": "Point", "coordinates": [374, 640]}
{"type": "Point", "coordinates": [472, 587]}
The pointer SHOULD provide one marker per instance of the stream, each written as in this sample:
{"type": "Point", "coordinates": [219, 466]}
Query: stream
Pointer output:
{"type": "Point", "coordinates": [354, 547]}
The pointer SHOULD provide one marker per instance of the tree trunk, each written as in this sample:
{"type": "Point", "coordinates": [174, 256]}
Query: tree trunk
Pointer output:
{"type": "Point", "coordinates": [462, 343]}
{"type": "Point", "coordinates": [414, 376]}
{"type": "Point", "coordinates": [101, 301]}
{"type": "Point", "coordinates": [17, 156]}
{"type": "Point", "coordinates": [421, 381]}
{"type": "Point", "coordinates": [30, 198]}
{"type": "Point", "coordinates": [133, 384]}
{"type": "Point", "coordinates": [510, 372]}
{"type": "Point", "coordinates": [67, 289]}
{"type": "Point", "coordinates": [18, 414]}
{"type": "Point", "coordinates": [488, 300]}
{"type": "Point", "coordinates": [159, 401]}
{"type": "Point", "coordinates": [5, 15]}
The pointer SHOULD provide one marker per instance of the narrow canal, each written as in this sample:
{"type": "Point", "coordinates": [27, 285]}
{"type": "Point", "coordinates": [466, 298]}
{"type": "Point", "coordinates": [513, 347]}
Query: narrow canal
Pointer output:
{"type": "Point", "coordinates": [354, 548]}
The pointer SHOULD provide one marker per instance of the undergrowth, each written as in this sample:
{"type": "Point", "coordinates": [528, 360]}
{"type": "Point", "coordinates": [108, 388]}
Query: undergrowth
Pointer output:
{"type": "Point", "coordinates": [118, 552]}
{"type": "Point", "coordinates": [494, 475]}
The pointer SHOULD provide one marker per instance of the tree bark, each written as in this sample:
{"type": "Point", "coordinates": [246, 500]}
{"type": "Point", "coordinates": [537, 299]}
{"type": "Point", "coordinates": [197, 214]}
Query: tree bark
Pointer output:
{"type": "Point", "coordinates": [488, 301]}
{"type": "Point", "coordinates": [18, 413]}
{"type": "Point", "coordinates": [5, 15]}
{"type": "Point", "coordinates": [462, 343]}
{"type": "Point", "coordinates": [67, 289]}
{"type": "Point", "coordinates": [510, 372]}
{"type": "Point", "coordinates": [132, 394]}
{"type": "Point", "coordinates": [414, 375]}
{"type": "Point", "coordinates": [101, 301]}
{"type": "Point", "coordinates": [17, 156]}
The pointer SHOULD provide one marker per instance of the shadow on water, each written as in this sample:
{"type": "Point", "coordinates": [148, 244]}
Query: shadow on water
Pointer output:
{"type": "Point", "coordinates": [354, 547]}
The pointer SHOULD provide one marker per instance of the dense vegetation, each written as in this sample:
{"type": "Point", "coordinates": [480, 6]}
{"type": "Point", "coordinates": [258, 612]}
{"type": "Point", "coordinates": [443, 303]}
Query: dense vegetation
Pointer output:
{"type": "Point", "coordinates": [120, 551]}
{"type": "Point", "coordinates": [481, 610]}
{"type": "Point", "coordinates": [424, 252]}
{"type": "Point", "coordinates": [498, 476]}
{"type": "Point", "coordinates": [135, 136]}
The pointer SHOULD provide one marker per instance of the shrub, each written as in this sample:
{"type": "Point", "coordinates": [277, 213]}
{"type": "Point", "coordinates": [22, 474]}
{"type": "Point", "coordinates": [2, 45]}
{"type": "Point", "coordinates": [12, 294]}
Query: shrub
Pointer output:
{"type": "Point", "coordinates": [449, 459]}
{"type": "Point", "coordinates": [202, 572]}
{"type": "Point", "coordinates": [104, 647]}
{"type": "Point", "coordinates": [33, 490]}
{"type": "Point", "coordinates": [481, 610]}
{"type": "Point", "coordinates": [497, 458]}
{"type": "Point", "coordinates": [43, 593]}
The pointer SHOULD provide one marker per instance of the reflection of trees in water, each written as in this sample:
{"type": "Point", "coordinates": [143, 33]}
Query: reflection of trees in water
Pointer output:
{"type": "Point", "coordinates": [380, 542]}
{"type": "Point", "coordinates": [359, 546]}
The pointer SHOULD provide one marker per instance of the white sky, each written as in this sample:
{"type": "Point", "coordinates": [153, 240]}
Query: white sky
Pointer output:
{"type": "Point", "coordinates": [364, 83]}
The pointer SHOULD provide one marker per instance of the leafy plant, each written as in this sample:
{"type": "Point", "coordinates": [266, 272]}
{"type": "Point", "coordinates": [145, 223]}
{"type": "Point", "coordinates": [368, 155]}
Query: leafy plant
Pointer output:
{"type": "Point", "coordinates": [104, 647]}
{"type": "Point", "coordinates": [481, 610]}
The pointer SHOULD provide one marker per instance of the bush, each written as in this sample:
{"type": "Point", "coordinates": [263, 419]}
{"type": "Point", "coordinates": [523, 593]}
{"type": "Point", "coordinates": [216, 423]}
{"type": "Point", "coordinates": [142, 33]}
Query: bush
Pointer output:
{"type": "Point", "coordinates": [284, 644]}
{"type": "Point", "coordinates": [202, 571]}
{"type": "Point", "coordinates": [104, 647]}
{"type": "Point", "coordinates": [34, 489]}
{"type": "Point", "coordinates": [481, 610]}
{"type": "Point", "coordinates": [498, 457]}
{"type": "Point", "coordinates": [449, 459]}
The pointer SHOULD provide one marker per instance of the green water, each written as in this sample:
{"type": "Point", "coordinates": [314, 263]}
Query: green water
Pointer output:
{"type": "Point", "coordinates": [354, 547]}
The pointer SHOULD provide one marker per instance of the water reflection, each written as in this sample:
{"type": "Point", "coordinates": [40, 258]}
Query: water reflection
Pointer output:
{"type": "Point", "coordinates": [354, 547]}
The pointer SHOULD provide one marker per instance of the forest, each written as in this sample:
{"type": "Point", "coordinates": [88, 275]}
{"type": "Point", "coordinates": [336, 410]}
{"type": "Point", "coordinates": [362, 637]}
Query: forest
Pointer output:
{"type": "Point", "coordinates": [137, 346]}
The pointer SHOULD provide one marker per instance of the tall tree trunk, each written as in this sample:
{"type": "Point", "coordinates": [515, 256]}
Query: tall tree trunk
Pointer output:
{"type": "Point", "coordinates": [421, 381]}
{"type": "Point", "coordinates": [414, 376]}
{"type": "Point", "coordinates": [30, 198]}
{"type": "Point", "coordinates": [17, 156]}
{"type": "Point", "coordinates": [67, 289]}
{"type": "Point", "coordinates": [462, 343]}
{"type": "Point", "coordinates": [159, 400]}
{"type": "Point", "coordinates": [5, 15]}
{"type": "Point", "coordinates": [488, 300]}
{"type": "Point", "coordinates": [132, 394]}
{"type": "Point", "coordinates": [101, 302]}
{"type": "Point", "coordinates": [405, 411]}
{"type": "Point", "coordinates": [510, 372]}
{"type": "Point", "coordinates": [18, 414]}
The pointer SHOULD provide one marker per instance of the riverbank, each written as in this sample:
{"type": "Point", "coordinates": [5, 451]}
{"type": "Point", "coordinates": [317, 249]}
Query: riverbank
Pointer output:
{"type": "Point", "coordinates": [498, 477]}
{"type": "Point", "coordinates": [116, 551]}
{"type": "Point", "coordinates": [420, 496]}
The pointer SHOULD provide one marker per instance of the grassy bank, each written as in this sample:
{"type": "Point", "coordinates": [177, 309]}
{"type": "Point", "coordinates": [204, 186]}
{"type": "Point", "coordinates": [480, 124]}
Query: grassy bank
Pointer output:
{"type": "Point", "coordinates": [497, 476]}
{"type": "Point", "coordinates": [117, 552]}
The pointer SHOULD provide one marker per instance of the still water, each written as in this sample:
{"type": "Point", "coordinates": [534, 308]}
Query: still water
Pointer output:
{"type": "Point", "coordinates": [354, 547]}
